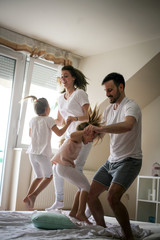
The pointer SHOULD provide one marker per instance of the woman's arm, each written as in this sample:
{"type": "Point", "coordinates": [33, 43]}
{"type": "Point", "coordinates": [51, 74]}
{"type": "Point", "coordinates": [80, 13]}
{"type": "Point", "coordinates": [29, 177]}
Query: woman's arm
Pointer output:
{"type": "Point", "coordinates": [84, 117]}
{"type": "Point", "coordinates": [30, 132]}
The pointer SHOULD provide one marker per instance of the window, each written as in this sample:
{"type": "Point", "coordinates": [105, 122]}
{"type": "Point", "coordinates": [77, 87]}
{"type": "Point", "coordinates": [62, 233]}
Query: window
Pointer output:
{"type": "Point", "coordinates": [40, 81]}
{"type": "Point", "coordinates": [20, 77]}
{"type": "Point", "coordinates": [7, 70]}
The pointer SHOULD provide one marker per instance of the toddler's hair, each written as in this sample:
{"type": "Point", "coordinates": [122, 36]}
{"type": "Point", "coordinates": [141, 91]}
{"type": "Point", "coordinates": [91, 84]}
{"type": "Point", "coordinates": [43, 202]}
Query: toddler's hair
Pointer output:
{"type": "Point", "coordinates": [95, 118]}
{"type": "Point", "coordinates": [40, 104]}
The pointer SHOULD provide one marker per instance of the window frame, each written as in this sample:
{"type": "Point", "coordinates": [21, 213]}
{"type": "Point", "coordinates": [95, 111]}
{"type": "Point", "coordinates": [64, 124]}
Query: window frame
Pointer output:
{"type": "Point", "coordinates": [11, 135]}
{"type": "Point", "coordinates": [26, 90]}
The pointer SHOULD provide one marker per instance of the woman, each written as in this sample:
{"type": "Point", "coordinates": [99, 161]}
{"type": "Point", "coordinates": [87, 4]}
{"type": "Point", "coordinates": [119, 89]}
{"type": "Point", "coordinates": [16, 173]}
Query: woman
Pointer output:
{"type": "Point", "coordinates": [72, 103]}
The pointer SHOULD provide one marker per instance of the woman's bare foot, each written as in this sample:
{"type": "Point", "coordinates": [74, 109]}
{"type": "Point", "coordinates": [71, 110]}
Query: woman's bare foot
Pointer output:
{"type": "Point", "coordinates": [82, 217]}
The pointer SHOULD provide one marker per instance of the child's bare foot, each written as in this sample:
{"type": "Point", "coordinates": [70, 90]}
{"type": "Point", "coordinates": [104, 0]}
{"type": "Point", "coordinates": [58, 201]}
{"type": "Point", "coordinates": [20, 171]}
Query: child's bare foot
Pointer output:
{"type": "Point", "coordinates": [27, 202]}
{"type": "Point", "coordinates": [82, 217]}
{"type": "Point", "coordinates": [32, 199]}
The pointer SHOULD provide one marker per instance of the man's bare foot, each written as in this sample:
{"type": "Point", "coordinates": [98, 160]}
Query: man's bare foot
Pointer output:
{"type": "Point", "coordinates": [82, 217]}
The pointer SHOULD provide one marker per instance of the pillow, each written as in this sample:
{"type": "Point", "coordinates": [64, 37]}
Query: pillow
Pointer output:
{"type": "Point", "coordinates": [52, 220]}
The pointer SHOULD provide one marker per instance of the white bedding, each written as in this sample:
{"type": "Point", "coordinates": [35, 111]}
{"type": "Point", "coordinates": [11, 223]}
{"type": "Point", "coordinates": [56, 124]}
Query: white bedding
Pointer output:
{"type": "Point", "coordinates": [18, 225]}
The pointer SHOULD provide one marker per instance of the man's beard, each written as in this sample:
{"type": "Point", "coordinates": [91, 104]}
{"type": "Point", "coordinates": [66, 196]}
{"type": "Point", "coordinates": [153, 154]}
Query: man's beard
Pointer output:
{"type": "Point", "coordinates": [114, 99]}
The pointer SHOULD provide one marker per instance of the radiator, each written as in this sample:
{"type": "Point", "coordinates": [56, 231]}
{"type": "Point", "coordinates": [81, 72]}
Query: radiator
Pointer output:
{"type": "Point", "coordinates": [47, 197]}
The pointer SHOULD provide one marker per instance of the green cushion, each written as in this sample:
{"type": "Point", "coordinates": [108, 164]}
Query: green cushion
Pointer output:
{"type": "Point", "coordinates": [52, 220]}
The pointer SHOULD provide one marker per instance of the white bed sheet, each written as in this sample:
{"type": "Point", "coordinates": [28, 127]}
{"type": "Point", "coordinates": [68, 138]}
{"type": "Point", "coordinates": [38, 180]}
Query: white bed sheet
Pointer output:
{"type": "Point", "coordinates": [18, 225]}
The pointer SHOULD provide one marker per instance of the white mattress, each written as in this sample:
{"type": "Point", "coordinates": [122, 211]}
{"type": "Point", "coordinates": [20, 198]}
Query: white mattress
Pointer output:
{"type": "Point", "coordinates": [18, 225]}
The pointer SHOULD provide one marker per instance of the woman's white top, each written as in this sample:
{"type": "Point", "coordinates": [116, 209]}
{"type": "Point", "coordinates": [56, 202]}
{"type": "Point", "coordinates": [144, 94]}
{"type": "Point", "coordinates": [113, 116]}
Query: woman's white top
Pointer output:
{"type": "Point", "coordinates": [72, 107]}
{"type": "Point", "coordinates": [41, 135]}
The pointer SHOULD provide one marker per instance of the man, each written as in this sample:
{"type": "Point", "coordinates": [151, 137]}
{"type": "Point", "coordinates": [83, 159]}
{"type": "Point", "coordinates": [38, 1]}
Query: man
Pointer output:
{"type": "Point", "coordinates": [122, 120]}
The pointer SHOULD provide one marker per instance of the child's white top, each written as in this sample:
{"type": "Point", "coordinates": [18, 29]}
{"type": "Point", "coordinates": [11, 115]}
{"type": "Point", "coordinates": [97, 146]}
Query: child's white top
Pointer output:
{"type": "Point", "coordinates": [41, 135]}
{"type": "Point", "coordinates": [72, 107]}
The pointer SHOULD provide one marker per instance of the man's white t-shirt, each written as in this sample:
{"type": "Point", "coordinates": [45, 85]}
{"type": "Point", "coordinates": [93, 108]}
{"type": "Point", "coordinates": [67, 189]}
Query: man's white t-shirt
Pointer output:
{"type": "Point", "coordinates": [125, 144]}
{"type": "Point", "coordinates": [41, 135]}
{"type": "Point", "coordinates": [72, 107]}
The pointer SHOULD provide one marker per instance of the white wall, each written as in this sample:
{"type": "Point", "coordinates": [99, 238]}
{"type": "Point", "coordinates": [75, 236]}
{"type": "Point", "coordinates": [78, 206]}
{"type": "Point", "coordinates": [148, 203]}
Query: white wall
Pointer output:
{"type": "Point", "coordinates": [150, 136]}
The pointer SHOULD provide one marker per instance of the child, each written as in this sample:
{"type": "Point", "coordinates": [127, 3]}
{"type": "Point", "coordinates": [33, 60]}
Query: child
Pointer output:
{"type": "Point", "coordinates": [40, 151]}
{"type": "Point", "coordinates": [65, 159]}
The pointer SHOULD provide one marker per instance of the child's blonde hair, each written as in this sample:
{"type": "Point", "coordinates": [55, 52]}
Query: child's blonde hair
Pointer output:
{"type": "Point", "coordinates": [40, 104]}
{"type": "Point", "coordinates": [95, 119]}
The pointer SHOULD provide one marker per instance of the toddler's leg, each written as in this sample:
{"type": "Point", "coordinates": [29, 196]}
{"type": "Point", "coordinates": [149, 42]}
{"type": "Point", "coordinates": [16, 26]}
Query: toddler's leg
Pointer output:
{"type": "Point", "coordinates": [75, 206]}
{"type": "Point", "coordinates": [82, 206]}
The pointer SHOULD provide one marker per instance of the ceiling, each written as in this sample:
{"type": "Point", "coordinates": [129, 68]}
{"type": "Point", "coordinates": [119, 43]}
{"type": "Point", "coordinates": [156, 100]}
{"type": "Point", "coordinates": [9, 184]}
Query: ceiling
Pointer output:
{"type": "Point", "coordinates": [83, 27]}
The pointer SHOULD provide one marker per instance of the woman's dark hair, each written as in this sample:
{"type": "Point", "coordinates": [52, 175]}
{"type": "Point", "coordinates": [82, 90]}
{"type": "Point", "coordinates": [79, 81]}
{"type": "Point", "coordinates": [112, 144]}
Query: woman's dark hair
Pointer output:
{"type": "Point", "coordinates": [116, 77]}
{"type": "Point", "coordinates": [40, 104]}
{"type": "Point", "coordinates": [80, 79]}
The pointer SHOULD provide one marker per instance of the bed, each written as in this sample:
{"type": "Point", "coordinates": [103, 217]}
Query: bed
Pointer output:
{"type": "Point", "coordinates": [18, 225]}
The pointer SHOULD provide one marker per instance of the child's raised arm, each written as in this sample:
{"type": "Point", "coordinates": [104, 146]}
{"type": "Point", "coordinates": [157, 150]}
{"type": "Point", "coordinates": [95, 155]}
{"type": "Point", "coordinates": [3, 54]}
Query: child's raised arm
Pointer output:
{"type": "Point", "coordinates": [61, 131]}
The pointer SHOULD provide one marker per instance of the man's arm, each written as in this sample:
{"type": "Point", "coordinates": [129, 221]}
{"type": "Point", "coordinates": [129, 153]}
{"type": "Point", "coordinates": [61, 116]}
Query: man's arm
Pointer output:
{"type": "Point", "coordinates": [116, 128]}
